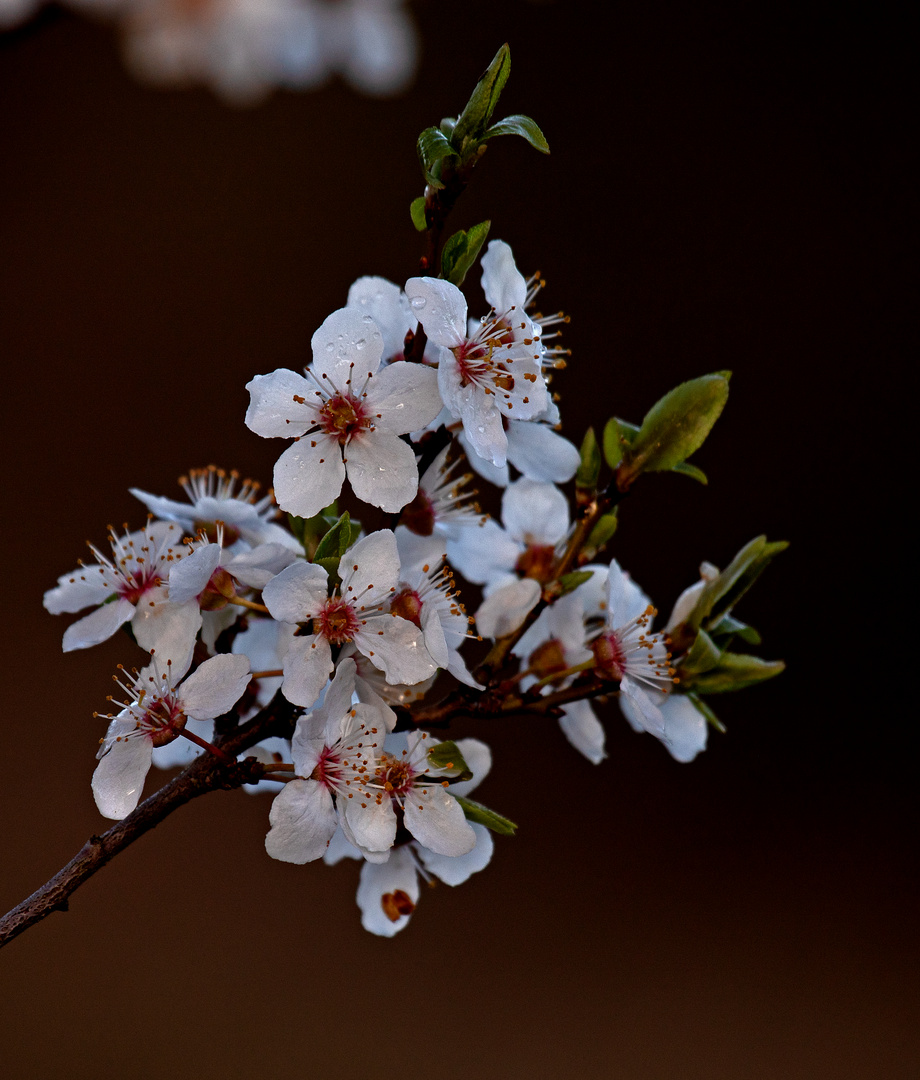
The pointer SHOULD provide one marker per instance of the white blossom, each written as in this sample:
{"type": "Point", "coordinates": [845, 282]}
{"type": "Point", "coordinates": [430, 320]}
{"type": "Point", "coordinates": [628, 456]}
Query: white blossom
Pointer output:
{"type": "Point", "coordinates": [492, 373]}
{"type": "Point", "coordinates": [389, 891]}
{"type": "Point", "coordinates": [536, 520]}
{"type": "Point", "coordinates": [404, 779]}
{"type": "Point", "coordinates": [347, 416]}
{"type": "Point", "coordinates": [157, 713]}
{"type": "Point", "coordinates": [215, 495]}
{"type": "Point", "coordinates": [356, 612]}
{"type": "Point", "coordinates": [625, 649]}
{"type": "Point", "coordinates": [333, 749]}
{"type": "Point", "coordinates": [130, 586]}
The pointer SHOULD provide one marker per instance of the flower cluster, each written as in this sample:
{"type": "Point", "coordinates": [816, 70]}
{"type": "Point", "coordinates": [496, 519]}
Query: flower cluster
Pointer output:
{"type": "Point", "coordinates": [322, 658]}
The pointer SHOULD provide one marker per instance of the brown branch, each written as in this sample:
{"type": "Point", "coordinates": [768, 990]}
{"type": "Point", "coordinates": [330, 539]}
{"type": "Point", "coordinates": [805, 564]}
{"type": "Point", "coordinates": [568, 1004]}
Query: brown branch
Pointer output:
{"type": "Point", "coordinates": [204, 774]}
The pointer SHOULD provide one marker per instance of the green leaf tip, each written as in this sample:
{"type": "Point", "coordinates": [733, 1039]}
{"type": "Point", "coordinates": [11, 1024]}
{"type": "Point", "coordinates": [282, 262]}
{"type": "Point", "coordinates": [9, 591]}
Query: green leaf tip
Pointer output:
{"type": "Point", "coordinates": [417, 213]}
{"type": "Point", "coordinates": [524, 126]}
{"type": "Point", "coordinates": [477, 113]}
{"type": "Point", "coordinates": [461, 250]}
{"type": "Point", "coordinates": [676, 426]}
{"type": "Point", "coordinates": [482, 815]}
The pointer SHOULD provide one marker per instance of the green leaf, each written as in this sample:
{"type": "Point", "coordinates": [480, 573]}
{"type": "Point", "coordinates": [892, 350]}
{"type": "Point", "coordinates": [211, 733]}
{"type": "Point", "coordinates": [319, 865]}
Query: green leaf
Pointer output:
{"type": "Point", "coordinates": [721, 595]}
{"type": "Point", "coordinates": [603, 531]}
{"type": "Point", "coordinates": [686, 469]}
{"type": "Point", "coordinates": [711, 717]}
{"type": "Point", "coordinates": [677, 425]}
{"type": "Point", "coordinates": [477, 113]}
{"type": "Point", "coordinates": [334, 544]}
{"type": "Point", "coordinates": [417, 212]}
{"type": "Point", "coordinates": [446, 756]}
{"type": "Point", "coordinates": [483, 816]}
{"type": "Point", "coordinates": [461, 250]}
{"type": "Point", "coordinates": [519, 125]}
{"type": "Point", "coordinates": [704, 655]}
{"type": "Point", "coordinates": [447, 125]}
{"type": "Point", "coordinates": [432, 146]}
{"type": "Point", "coordinates": [618, 434]}
{"type": "Point", "coordinates": [730, 627]}
{"type": "Point", "coordinates": [571, 581]}
{"type": "Point", "coordinates": [590, 467]}
{"type": "Point", "coordinates": [735, 671]}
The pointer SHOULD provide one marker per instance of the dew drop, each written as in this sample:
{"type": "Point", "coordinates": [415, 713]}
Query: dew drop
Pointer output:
{"type": "Point", "coordinates": [330, 347]}
{"type": "Point", "coordinates": [418, 302]}
{"type": "Point", "coordinates": [360, 343]}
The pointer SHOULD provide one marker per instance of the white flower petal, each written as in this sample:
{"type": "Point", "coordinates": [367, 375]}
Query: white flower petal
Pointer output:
{"type": "Point", "coordinates": [533, 512]}
{"type": "Point", "coordinates": [119, 777]}
{"type": "Point", "coordinates": [215, 687]}
{"type": "Point", "coordinates": [541, 453]}
{"type": "Point", "coordinates": [302, 821]}
{"type": "Point", "coordinates": [346, 349]}
{"type": "Point", "coordinates": [297, 593]}
{"type": "Point", "coordinates": [307, 667]}
{"type": "Point", "coordinates": [454, 870]}
{"type": "Point", "coordinates": [584, 731]}
{"type": "Point", "coordinates": [189, 576]}
{"type": "Point", "coordinates": [309, 475]}
{"type": "Point", "coordinates": [382, 471]}
{"type": "Point", "coordinates": [273, 412]}
{"type": "Point", "coordinates": [406, 396]}
{"type": "Point", "coordinates": [98, 626]}
{"type": "Point", "coordinates": [83, 587]}
{"type": "Point", "coordinates": [502, 282]}
{"type": "Point", "coordinates": [388, 306]}
{"type": "Point", "coordinates": [479, 758]}
{"type": "Point", "coordinates": [397, 647]}
{"type": "Point", "coordinates": [167, 629]}
{"type": "Point", "coordinates": [377, 561]}
{"type": "Point", "coordinates": [504, 611]}
{"type": "Point", "coordinates": [436, 819]}
{"type": "Point", "coordinates": [372, 824]}
{"type": "Point", "coordinates": [441, 309]}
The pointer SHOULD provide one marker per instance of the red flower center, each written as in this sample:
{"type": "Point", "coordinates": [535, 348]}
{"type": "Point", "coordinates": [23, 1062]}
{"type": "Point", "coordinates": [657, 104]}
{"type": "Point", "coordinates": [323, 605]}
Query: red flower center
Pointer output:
{"type": "Point", "coordinates": [343, 417]}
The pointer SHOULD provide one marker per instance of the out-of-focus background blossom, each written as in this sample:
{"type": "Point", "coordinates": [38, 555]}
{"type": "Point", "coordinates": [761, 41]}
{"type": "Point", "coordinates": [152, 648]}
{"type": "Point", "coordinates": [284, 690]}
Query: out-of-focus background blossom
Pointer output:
{"type": "Point", "coordinates": [728, 188]}
{"type": "Point", "coordinates": [243, 49]}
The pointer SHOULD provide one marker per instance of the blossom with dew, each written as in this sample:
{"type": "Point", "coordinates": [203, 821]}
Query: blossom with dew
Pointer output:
{"type": "Point", "coordinates": [487, 374]}
{"type": "Point", "coordinates": [355, 612]}
{"type": "Point", "coordinates": [130, 586]}
{"type": "Point", "coordinates": [535, 449]}
{"type": "Point", "coordinates": [444, 503]}
{"type": "Point", "coordinates": [346, 416]}
{"type": "Point", "coordinates": [215, 495]}
{"type": "Point", "coordinates": [404, 787]}
{"type": "Point", "coordinates": [389, 307]}
{"type": "Point", "coordinates": [334, 747]}
{"type": "Point", "coordinates": [159, 706]}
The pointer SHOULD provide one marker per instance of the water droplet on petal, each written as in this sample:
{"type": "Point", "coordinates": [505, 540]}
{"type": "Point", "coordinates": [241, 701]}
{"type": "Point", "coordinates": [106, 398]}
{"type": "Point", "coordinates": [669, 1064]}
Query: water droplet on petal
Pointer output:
{"type": "Point", "coordinates": [330, 346]}
{"type": "Point", "coordinates": [360, 343]}
{"type": "Point", "coordinates": [418, 302]}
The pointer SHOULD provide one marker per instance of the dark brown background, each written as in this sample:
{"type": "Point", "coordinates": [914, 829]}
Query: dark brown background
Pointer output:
{"type": "Point", "coordinates": [726, 190]}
